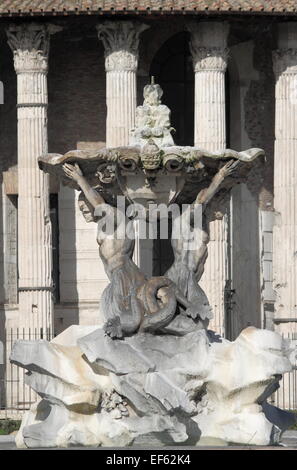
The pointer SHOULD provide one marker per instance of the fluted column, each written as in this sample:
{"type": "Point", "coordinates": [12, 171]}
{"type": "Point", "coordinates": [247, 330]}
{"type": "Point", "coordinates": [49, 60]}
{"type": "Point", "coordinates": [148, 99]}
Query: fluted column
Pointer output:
{"type": "Point", "coordinates": [30, 46]}
{"type": "Point", "coordinates": [285, 178]}
{"type": "Point", "coordinates": [121, 41]}
{"type": "Point", "coordinates": [209, 52]}
{"type": "Point", "coordinates": [121, 44]}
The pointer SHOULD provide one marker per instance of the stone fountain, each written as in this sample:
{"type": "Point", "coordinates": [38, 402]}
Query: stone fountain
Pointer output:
{"type": "Point", "coordinates": [152, 373]}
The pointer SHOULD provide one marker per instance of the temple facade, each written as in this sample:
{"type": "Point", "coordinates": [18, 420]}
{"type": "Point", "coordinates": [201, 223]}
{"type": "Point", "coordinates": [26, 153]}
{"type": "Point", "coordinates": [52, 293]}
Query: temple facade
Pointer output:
{"type": "Point", "coordinates": [73, 74]}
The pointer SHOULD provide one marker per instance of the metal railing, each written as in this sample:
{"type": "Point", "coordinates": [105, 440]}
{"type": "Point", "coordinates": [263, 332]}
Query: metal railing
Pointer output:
{"type": "Point", "coordinates": [286, 396]}
{"type": "Point", "coordinates": [15, 396]}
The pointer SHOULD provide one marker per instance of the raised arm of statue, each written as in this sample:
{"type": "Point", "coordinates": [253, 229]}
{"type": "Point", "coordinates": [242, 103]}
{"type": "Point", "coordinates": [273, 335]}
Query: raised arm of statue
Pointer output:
{"type": "Point", "coordinates": [74, 172]}
{"type": "Point", "coordinates": [207, 194]}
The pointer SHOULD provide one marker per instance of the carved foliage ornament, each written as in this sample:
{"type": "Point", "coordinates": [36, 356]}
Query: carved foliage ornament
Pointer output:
{"type": "Point", "coordinates": [208, 45]}
{"type": "Point", "coordinates": [121, 41]}
{"type": "Point", "coordinates": [209, 58]}
{"type": "Point", "coordinates": [119, 61]}
{"type": "Point", "coordinates": [30, 45]}
{"type": "Point", "coordinates": [152, 158]}
{"type": "Point", "coordinates": [285, 61]}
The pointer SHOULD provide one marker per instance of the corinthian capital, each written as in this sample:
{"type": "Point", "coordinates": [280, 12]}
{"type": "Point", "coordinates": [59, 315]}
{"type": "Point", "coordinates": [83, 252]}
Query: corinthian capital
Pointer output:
{"type": "Point", "coordinates": [209, 45]}
{"type": "Point", "coordinates": [209, 58]}
{"type": "Point", "coordinates": [30, 45]}
{"type": "Point", "coordinates": [121, 41]}
{"type": "Point", "coordinates": [285, 61]}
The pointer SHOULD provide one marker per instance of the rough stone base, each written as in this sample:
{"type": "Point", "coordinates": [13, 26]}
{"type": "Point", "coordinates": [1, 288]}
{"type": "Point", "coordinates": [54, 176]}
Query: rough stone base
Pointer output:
{"type": "Point", "coordinates": [153, 390]}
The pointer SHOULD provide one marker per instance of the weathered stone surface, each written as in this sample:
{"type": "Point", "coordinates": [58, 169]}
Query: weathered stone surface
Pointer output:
{"type": "Point", "coordinates": [285, 226]}
{"type": "Point", "coordinates": [152, 389]}
{"type": "Point", "coordinates": [243, 374]}
{"type": "Point", "coordinates": [115, 356]}
{"type": "Point", "coordinates": [59, 373]}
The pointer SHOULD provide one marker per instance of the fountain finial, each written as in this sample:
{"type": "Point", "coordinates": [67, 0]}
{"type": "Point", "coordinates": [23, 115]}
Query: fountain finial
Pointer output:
{"type": "Point", "coordinates": [152, 119]}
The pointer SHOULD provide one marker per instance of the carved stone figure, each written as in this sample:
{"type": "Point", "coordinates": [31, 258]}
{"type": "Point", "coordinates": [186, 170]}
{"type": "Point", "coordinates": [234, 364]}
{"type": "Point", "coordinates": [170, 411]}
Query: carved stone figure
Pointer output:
{"type": "Point", "coordinates": [152, 119]}
{"type": "Point", "coordinates": [188, 265]}
{"type": "Point", "coordinates": [174, 303]}
{"type": "Point", "coordinates": [131, 301]}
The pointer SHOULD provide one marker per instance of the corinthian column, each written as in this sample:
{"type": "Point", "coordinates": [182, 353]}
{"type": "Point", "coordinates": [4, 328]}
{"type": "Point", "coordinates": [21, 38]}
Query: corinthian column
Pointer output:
{"type": "Point", "coordinates": [285, 179]}
{"type": "Point", "coordinates": [30, 46]}
{"type": "Point", "coordinates": [209, 52]}
{"type": "Point", "coordinates": [121, 41]}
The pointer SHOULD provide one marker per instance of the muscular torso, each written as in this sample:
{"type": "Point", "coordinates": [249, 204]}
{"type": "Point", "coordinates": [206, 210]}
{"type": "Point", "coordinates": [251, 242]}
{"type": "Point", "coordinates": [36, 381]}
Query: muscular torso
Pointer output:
{"type": "Point", "coordinates": [116, 247]}
{"type": "Point", "coordinates": [191, 253]}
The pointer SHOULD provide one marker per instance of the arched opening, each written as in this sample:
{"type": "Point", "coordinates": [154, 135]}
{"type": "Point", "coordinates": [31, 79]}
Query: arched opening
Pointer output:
{"type": "Point", "coordinates": [173, 70]}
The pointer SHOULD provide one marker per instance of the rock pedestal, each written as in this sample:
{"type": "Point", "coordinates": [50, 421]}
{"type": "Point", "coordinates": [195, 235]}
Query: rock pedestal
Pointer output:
{"type": "Point", "coordinates": [152, 389]}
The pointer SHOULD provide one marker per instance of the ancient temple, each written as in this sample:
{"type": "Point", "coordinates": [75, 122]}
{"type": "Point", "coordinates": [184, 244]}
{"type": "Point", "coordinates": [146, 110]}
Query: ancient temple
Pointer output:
{"type": "Point", "coordinates": [73, 74]}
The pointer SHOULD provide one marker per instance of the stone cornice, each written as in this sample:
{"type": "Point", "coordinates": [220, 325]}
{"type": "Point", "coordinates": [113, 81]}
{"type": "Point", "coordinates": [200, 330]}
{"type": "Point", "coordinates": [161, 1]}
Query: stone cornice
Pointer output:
{"type": "Point", "coordinates": [30, 45]}
{"type": "Point", "coordinates": [121, 42]}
